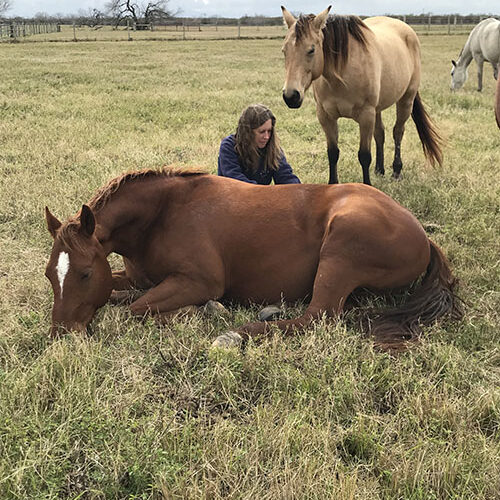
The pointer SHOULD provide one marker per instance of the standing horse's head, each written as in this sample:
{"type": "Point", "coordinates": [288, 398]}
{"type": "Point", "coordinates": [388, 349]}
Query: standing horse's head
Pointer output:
{"type": "Point", "coordinates": [303, 49]}
{"type": "Point", "coordinates": [78, 271]}
{"type": "Point", "coordinates": [458, 75]}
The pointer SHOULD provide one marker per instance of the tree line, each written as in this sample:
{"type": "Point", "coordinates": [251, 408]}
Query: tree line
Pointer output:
{"type": "Point", "coordinates": [148, 12]}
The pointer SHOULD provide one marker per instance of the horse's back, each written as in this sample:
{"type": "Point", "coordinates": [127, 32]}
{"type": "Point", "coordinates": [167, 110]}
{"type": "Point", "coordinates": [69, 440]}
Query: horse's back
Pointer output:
{"type": "Point", "coordinates": [487, 40]}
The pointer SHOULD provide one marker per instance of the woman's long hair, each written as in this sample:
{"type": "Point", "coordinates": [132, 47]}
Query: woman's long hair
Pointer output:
{"type": "Point", "coordinates": [253, 117]}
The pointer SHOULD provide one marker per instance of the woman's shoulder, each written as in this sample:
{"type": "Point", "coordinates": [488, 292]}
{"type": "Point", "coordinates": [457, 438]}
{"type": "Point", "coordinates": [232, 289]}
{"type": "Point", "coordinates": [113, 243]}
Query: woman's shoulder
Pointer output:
{"type": "Point", "coordinates": [230, 139]}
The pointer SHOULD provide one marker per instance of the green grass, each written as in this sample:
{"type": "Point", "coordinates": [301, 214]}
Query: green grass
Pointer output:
{"type": "Point", "coordinates": [143, 411]}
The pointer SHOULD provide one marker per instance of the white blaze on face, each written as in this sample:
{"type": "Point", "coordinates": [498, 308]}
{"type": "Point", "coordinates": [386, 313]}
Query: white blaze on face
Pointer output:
{"type": "Point", "coordinates": [62, 269]}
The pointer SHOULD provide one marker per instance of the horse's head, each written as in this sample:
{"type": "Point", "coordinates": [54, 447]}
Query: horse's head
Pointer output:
{"type": "Point", "coordinates": [303, 49]}
{"type": "Point", "coordinates": [458, 75]}
{"type": "Point", "coordinates": [78, 271]}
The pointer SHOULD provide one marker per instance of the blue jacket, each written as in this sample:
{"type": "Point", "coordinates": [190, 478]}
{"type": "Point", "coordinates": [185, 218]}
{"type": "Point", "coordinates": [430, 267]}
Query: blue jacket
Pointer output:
{"type": "Point", "coordinates": [229, 165]}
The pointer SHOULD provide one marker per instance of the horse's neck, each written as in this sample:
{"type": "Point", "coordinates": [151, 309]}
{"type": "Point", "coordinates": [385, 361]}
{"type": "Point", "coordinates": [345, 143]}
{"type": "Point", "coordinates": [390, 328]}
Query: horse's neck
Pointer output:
{"type": "Point", "coordinates": [466, 54]}
{"type": "Point", "coordinates": [123, 220]}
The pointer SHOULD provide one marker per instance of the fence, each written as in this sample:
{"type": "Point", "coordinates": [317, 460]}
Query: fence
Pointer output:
{"type": "Point", "coordinates": [189, 29]}
{"type": "Point", "coordinates": [17, 30]}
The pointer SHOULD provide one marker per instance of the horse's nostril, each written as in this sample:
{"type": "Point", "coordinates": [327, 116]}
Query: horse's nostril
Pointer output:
{"type": "Point", "coordinates": [293, 100]}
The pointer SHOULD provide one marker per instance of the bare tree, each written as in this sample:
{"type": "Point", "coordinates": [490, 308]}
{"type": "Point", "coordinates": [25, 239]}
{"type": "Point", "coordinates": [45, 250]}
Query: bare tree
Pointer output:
{"type": "Point", "coordinates": [5, 5]}
{"type": "Point", "coordinates": [140, 12]}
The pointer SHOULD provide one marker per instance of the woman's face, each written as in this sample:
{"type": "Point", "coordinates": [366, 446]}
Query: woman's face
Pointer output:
{"type": "Point", "coordinates": [262, 134]}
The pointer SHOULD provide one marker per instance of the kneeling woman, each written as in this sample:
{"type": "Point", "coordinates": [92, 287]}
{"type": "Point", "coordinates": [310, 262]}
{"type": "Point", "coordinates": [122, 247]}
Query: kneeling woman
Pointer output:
{"type": "Point", "coordinates": [253, 153]}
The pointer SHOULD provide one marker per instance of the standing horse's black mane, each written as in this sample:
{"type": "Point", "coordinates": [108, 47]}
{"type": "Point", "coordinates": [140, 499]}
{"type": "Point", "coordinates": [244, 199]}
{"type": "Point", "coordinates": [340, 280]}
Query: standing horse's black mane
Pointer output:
{"type": "Point", "coordinates": [336, 36]}
{"type": "Point", "coordinates": [102, 196]}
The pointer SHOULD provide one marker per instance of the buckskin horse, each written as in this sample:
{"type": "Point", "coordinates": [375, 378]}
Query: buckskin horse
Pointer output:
{"type": "Point", "coordinates": [357, 69]}
{"type": "Point", "coordinates": [188, 237]}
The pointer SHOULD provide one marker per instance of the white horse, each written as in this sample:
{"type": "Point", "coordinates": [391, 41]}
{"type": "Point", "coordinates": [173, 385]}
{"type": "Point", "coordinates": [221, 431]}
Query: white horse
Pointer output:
{"type": "Point", "coordinates": [482, 45]}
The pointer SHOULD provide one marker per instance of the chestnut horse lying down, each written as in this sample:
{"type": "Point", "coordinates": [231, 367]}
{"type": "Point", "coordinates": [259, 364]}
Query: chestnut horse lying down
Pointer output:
{"type": "Point", "coordinates": [188, 237]}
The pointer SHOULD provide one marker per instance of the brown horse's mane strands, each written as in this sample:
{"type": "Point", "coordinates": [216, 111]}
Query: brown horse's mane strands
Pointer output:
{"type": "Point", "coordinates": [68, 233]}
{"type": "Point", "coordinates": [336, 35]}
{"type": "Point", "coordinates": [102, 196]}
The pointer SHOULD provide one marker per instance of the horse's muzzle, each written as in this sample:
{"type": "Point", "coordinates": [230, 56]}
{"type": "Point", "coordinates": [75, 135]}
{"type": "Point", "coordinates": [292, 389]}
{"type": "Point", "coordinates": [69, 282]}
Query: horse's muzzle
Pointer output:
{"type": "Point", "coordinates": [294, 100]}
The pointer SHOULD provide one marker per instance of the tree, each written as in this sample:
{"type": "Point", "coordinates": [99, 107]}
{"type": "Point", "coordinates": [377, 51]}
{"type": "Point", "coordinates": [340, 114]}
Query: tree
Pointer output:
{"type": "Point", "coordinates": [140, 12]}
{"type": "Point", "coordinates": [5, 5]}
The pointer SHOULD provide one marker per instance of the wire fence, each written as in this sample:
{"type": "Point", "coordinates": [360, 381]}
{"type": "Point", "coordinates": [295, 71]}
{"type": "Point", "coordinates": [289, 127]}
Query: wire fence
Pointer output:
{"type": "Point", "coordinates": [183, 29]}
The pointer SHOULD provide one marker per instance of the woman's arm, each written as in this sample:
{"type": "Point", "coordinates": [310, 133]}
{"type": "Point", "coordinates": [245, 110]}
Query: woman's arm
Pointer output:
{"type": "Point", "coordinates": [284, 174]}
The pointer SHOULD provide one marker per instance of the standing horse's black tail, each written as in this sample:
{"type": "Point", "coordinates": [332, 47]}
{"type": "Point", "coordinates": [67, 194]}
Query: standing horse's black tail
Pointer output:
{"type": "Point", "coordinates": [433, 299]}
{"type": "Point", "coordinates": [427, 131]}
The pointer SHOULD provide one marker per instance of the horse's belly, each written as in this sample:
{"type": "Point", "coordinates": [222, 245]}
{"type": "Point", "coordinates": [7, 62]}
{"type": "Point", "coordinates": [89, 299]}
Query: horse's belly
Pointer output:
{"type": "Point", "coordinates": [288, 280]}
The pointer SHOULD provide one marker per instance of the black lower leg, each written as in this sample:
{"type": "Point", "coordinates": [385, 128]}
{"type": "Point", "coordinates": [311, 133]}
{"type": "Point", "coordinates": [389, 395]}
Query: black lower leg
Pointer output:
{"type": "Point", "coordinates": [365, 158]}
{"type": "Point", "coordinates": [333, 158]}
{"type": "Point", "coordinates": [397, 164]}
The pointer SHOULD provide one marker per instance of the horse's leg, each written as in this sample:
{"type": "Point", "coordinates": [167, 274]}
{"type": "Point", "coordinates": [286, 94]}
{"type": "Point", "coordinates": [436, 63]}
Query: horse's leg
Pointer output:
{"type": "Point", "coordinates": [403, 112]}
{"type": "Point", "coordinates": [121, 281]}
{"type": "Point", "coordinates": [379, 142]}
{"type": "Point", "coordinates": [366, 120]}
{"type": "Point", "coordinates": [330, 127]}
{"type": "Point", "coordinates": [336, 277]}
{"type": "Point", "coordinates": [495, 71]}
{"type": "Point", "coordinates": [479, 61]}
{"type": "Point", "coordinates": [176, 292]}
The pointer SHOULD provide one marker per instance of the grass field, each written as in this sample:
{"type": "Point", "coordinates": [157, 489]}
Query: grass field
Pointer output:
{"type": "Point", "coordinates": [142, 411]}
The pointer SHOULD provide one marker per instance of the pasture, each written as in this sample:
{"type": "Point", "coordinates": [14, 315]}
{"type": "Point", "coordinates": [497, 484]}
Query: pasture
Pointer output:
{"type": "Point", "coordinates": [144, 411]}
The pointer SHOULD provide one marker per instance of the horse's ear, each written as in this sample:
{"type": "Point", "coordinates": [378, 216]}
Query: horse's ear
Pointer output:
{"type": "Point", "coordinates": [320, 20]}
{"type": "Point", "coordinates": [87, 221]}
{"type": "Point", "coordinates": [53, 223]}
{"type": "Point", "coordinates": [289, 19]}
{"type": "Point", "coordinates": [453, 62]}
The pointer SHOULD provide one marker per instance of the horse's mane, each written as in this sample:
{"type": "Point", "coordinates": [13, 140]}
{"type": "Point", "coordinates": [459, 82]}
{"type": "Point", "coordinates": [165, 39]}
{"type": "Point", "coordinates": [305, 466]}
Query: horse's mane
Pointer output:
{"type": "Point", "coordinates": [336, 36]}
{"type": "Point", "coordinates": [68, 232]}
{"type": "Point", "coordinates": [102, 196]}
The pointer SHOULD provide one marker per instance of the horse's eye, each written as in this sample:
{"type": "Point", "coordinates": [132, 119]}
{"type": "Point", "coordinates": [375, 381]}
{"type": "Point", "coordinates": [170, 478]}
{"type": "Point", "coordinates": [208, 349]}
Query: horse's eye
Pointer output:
{"type": "Point", "coordinates": [85, 275]}
{"type": "Point", "coordinates": [310, 52]}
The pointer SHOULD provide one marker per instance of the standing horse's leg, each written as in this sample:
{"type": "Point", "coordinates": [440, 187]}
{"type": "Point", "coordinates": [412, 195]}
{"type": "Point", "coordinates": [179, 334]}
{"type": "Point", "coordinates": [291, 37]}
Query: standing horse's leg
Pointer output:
{"type": "Point", "coordinates": [331, 129]}
{"type": "Point", "coordinates": [403, 112]}
{"type": "Point", "coordinates": [366, 120]}
{"type": "Point", "coordinates": [479, 61]}
{"type": "Point", "coordinates": [379, 142]}
{"type": "Point", "coordinates": [495, 71]}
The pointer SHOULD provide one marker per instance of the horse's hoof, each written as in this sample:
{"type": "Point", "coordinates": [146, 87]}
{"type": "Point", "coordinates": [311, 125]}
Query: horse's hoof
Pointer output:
{"type": "Point", "coordinates": [228, 340]}
{"type": "Point", "coordinates": [397, 176]}
{"type": "Point", "coordinates": [214, 307]}
{"type": "Point", "coordinates": [270, 313]}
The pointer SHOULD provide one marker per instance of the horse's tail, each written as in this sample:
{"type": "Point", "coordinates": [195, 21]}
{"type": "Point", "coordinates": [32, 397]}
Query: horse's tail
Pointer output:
{"type": "Point", "coordinates": [427, 131]}
{"type": "Point", "coordinates": [433, 298]}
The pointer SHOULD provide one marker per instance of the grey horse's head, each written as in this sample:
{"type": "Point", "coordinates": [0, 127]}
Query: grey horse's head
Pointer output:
{"type": "Point", "coordinates": [458, 76]}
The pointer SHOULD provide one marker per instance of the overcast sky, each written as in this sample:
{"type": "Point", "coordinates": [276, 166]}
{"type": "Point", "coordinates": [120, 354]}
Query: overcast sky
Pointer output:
{"type": "Point", "coordinates": [238, 8]}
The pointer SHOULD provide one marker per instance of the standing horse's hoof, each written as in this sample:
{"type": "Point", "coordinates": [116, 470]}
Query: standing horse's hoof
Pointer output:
{"type": "Point", "coordinates": [228, 340]}
{"type": "Point", "coordinates": [269, 313]}
{"type": "Point", "coordinates": [397, 176]}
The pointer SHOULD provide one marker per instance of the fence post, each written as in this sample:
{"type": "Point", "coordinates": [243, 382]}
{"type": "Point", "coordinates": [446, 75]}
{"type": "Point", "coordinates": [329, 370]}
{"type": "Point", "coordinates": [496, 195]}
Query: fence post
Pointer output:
{"type": "Point", "coordinates": [12, 33]}
{"type": "Point", "coordinates": [183, 30]}
{"type": "Point", "coordinates": [74, 32]}
{"type": "Point", "coordinates": [429, 25]}
{"type": "Point", "coordinates": [129, 38]}
{"type": "Point", "coordinates": [449, 25]}
{"type": "Point", "coordinates": [239, 28]}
